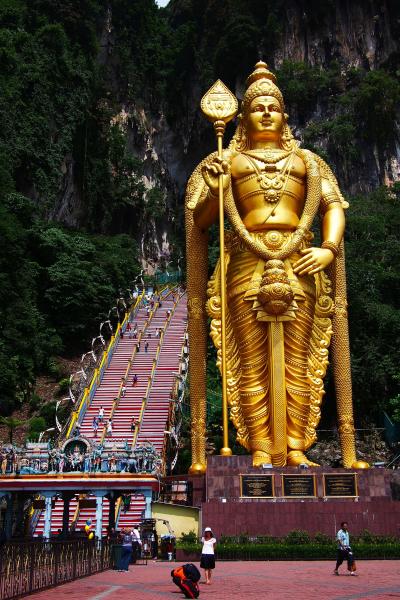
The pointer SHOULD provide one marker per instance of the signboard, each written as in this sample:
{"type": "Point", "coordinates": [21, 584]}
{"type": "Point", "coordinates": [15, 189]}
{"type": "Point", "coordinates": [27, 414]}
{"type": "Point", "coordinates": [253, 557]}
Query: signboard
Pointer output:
{"type": "Point", "coordinates": [257, 486]}
{"type": "Point", "coordinates": [298, 485]}
{"type": "Point", "coordinates": [340, 485]}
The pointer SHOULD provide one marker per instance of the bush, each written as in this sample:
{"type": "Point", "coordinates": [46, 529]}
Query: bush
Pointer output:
{"type": "Point", "coordinates": [34, 402]}
{"type": "Point", "coordinates": [63, 386]}
{"type": "Point", "coordinates": [36, 426]}
{"type": "Point", "coordinates": [189, 538]}
{"type": "Point", "coordinates": [298, 537]}
{"type": "Point", "coordinates": [322, 538]}
{"type": "Point", "coordinates": [297, 545]}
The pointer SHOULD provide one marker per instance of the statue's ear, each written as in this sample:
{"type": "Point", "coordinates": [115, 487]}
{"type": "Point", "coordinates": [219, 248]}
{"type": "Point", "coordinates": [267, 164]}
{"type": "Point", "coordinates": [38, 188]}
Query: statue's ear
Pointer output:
{"type": "Point", "coordinates": [286, 116]}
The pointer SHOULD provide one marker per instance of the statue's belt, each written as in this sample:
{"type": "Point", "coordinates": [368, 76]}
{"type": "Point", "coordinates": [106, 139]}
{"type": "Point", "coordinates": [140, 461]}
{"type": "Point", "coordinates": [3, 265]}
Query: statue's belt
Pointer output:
{"type": "Point", "coordinates": [273, 240]}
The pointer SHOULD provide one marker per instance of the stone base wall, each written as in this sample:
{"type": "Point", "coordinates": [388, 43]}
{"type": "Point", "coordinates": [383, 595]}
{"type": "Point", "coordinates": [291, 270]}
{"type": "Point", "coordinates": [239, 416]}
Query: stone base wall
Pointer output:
{"type": "Point", "coordinates": [227, 513]}
{"type": "Point", "coordinates": [256, 518]}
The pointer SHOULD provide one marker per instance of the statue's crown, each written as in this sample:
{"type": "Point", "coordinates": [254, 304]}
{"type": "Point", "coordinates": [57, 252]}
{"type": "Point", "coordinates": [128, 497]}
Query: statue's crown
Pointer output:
{"type": "Point", "coordinates": [261, 72]}
{"type": "Point", "coordinates": [259, 83]}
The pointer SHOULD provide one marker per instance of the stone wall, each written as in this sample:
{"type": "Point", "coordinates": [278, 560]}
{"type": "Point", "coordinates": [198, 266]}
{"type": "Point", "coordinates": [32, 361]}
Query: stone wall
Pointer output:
{"type": "Point", "coordinates": [229, 514]}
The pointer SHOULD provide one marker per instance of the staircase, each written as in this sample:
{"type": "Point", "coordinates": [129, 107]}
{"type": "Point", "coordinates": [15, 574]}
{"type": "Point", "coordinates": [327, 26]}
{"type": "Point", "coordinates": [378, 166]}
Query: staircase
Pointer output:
{"type": "Point", "coordinates": [90, 513]}
{"type": "Point", "coordinates": [157, 408]}
{"type": "Point", "coordinates": [133, 516]}
{"type": "Point", "coordinates": [129, 405]}
{"type": "Point", "coordinates": [155, 417]}
{"type": "Point", "coordinates": [124, 519]}
{"type": "Point", "coordinates": [56, 517]}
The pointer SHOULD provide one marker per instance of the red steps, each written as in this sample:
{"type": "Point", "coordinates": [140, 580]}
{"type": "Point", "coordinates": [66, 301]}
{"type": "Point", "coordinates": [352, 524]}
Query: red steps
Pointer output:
{"type": "Point", "coordinates": [134, 515]}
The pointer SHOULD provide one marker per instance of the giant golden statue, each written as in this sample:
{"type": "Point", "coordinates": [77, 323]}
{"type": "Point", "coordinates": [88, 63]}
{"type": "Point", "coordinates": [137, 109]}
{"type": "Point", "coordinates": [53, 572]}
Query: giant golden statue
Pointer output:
{"type": "Point", "coordinates": [285, 297]}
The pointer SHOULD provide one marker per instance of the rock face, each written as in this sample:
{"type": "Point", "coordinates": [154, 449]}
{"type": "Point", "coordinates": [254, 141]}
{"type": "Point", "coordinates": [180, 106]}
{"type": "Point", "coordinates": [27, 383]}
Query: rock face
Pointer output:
{"type": "Point", "coordinates": [357, 34]}
{"type": "Point", "coordinates": [353, 34]}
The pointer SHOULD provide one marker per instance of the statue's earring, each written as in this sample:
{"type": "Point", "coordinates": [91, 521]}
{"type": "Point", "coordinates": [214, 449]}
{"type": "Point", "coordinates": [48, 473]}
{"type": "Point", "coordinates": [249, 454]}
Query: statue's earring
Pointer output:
{"type": "Point", "coordinates": [287, 137]}
{"type": "Point", "coordinates": [241, 134]}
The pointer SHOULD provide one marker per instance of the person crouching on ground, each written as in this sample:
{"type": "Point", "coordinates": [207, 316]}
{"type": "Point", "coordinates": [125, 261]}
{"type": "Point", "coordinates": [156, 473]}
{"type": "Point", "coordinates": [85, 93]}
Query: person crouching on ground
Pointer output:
{"type": "Point", "coordinates": [207, 561]}
{"type": "Point", "coordinates": [344, 551]}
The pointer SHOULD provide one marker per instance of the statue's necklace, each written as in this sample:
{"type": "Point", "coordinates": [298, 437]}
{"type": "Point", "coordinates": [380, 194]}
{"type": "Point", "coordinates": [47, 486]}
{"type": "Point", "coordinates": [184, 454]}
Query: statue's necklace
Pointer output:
{"type": "Point", "coordinates": [271, 180]}
{"type": "Point", "coordinates": [268, 156]}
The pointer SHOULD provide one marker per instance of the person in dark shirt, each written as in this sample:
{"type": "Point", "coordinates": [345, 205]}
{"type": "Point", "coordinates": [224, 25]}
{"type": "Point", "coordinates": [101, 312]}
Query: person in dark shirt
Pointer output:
{"type": "Point", "coordinates": [126, 551]}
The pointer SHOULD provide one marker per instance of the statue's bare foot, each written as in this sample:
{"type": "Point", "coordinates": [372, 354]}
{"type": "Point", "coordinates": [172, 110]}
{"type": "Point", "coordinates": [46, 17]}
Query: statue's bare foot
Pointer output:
{"type": "Point", "coordinates": [261, 458]}
{"type": "Point", "coordinates": [297, 457]}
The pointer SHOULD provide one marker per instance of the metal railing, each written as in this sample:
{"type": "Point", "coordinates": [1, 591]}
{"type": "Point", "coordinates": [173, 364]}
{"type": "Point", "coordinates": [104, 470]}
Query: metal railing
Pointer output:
{"type": "Point", "coordinates": [30, 566]}
{"type": "Point", "coordinates": [89, 392]}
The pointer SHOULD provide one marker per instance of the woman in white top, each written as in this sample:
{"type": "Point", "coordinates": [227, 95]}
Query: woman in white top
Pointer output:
{"type": "Point", "coordinates": [207, 561]}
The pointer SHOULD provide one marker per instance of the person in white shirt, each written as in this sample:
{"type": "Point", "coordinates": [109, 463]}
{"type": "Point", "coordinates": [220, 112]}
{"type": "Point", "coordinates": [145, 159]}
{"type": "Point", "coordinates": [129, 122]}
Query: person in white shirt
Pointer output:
{"type": "Point", "coordinates": [207, 561]}
{"type": "Point", "coordinates": [101, 414]}
{"type": "Point", "coordinates": [136, 544]}
{"type": "Point", "coordinates": [344, 550]}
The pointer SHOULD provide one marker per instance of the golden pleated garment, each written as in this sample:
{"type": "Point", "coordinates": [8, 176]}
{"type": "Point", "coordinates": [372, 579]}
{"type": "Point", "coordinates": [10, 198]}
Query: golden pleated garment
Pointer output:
{"type": "Point", "coordinates": [303, 356]}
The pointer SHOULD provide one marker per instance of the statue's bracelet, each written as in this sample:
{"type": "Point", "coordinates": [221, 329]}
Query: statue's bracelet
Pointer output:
{"type": "Point", "coordinates": [332, 246]}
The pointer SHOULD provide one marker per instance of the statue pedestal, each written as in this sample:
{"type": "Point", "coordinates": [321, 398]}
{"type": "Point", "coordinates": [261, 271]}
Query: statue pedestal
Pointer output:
{"type": "Point", "coordinates": [258, 501]}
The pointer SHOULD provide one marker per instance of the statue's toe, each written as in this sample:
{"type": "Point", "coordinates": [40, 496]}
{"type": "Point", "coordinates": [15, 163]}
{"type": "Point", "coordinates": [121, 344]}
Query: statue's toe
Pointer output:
{"type": "Point", "coordinates": [297, 457]}
{"type": "Point", "coordinates": [360, 464]}
{"type": "Point", "coordinates": [261, 458]}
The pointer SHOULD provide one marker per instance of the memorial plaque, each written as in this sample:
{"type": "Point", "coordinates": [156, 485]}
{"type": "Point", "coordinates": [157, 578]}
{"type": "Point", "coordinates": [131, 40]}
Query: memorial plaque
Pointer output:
{"type": "Point", "coordinates": [340, 485]}
{"type": "Point", "coordinates": [298, 486]}
{"type": "Point", "coordinates": [257, 486]}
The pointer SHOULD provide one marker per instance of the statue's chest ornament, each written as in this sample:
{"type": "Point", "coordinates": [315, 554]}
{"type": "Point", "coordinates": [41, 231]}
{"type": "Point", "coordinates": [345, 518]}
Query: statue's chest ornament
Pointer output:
{"type": "Point", "coordinates": [271, 179]}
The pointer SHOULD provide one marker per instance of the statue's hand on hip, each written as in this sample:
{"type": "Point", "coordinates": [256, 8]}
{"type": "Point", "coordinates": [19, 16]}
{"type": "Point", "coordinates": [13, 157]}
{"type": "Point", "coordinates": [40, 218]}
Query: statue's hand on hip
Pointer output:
{"type": "Point", "coordinates": [313, 261]}
{"type": "Point", "coordinates": [211, 172]}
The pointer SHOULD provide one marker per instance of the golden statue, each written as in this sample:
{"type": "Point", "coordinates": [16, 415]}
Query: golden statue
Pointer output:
{"type": "Point", "coordinates": [284, 297]}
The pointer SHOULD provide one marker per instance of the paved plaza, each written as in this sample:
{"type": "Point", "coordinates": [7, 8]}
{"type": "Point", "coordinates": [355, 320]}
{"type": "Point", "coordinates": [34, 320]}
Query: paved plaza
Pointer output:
{"type": "Point", "coordinates": [377, 580]}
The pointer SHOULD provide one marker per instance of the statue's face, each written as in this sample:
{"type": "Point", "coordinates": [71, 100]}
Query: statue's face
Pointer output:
{"type": "Point", "coordinates": [265, 118]}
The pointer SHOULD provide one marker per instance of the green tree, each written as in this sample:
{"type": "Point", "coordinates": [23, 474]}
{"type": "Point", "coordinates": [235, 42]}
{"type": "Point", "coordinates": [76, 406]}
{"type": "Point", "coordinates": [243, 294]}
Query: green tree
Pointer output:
{"type": "Point", "coordinates": [36, 426]}
{"type": "Point", "coordinates": [12, 425]}
{"type": "Point", "coordinates": [372, 259]}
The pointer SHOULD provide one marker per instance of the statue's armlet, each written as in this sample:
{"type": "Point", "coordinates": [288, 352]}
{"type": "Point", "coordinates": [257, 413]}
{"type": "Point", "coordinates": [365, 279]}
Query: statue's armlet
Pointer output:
{"type": "Point", "coordinates": [331, 193]}
{"type": "Point", "coordinates": [329, 197]}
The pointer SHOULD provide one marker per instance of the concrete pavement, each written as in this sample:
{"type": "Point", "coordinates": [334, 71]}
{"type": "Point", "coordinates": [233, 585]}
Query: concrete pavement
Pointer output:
{"type": "Point", "coordinates": [283, 580]}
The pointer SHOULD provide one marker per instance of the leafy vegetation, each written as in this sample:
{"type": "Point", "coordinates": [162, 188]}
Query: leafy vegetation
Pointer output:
{"type": "Point", "coordinates": [55, 286]}
{"type": "Point", "coordinates": [373, 254]}
{"type": "Point", "coordinates": [12, 425]}
{"type": "Point", "coordinates": [296, 545]}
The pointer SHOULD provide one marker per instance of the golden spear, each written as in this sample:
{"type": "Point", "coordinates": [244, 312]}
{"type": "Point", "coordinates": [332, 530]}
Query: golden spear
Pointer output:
{"type": "Point", "coordinates": [220, 106]}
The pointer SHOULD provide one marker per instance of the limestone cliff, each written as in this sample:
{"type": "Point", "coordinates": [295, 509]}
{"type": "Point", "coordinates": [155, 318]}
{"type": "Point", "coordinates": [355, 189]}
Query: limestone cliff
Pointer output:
{"type": "Point", "coordinates": [338, 42]}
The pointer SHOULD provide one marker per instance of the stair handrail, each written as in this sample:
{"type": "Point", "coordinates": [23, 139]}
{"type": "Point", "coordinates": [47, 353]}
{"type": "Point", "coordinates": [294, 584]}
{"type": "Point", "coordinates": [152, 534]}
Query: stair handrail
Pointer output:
{"type": "Point", "coordinates": [34, 515]}
{"type": "Point", "coordinates": [145, 328]}
{"type": "Point", "coordinates": [75, 518]}
{"type": "Point", "coordinates": [99, 372]}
